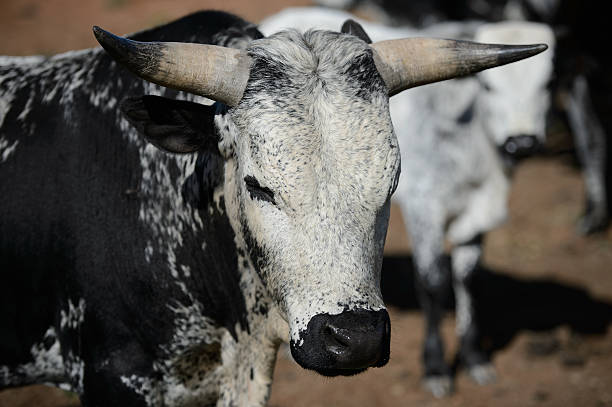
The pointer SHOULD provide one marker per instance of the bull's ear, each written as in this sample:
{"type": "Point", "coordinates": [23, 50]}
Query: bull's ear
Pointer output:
{"type": "Point", "coordinates": [351, 26]}
{"type": "Point", "coordinates": [176, 126]}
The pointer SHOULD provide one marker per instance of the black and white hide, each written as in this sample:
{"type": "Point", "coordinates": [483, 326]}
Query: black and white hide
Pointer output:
{"type": "Point", "coordinates": [165, 270]}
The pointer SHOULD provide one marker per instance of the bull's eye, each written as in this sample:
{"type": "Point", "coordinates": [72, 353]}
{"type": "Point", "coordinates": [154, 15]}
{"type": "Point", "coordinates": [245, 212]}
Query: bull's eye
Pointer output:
{"type": "Point", "coordinates": [256, 191]}
{"type": "Point", "coordinates": [486, 86]}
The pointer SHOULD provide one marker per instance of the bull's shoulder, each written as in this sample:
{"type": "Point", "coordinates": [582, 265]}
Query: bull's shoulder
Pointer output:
{"type": "Point", "coordinates": [8, 62]}
{"type": "Point", "coordinates": [204, 27]}
{"type": "Point", "coordinates": [41, 74]}
{"type": "Point", "coordinates": [12, 72]}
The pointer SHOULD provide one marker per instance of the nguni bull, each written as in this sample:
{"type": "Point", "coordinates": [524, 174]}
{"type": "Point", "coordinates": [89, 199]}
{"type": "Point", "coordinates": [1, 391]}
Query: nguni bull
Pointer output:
{"type": "Point", "coordinates": [459, 140]}
{"type": "Point", "coordinates": [166, 270]}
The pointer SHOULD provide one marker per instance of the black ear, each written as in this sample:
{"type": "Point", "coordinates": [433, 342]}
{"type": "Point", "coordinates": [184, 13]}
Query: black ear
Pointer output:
{"type": "Point", "coordinates": [199, 187]}
{"type": "Point", "coordinates": [352, 27]}
{"type": "Point", "coordinates": [173, 125]}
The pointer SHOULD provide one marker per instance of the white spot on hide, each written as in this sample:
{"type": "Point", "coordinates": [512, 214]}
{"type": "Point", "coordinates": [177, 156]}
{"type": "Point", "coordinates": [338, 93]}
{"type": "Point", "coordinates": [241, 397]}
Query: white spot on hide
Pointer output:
{"type": "Point", "coordinates": [6, 149]}
{"type": "Point", "coordinates": [74, 316]}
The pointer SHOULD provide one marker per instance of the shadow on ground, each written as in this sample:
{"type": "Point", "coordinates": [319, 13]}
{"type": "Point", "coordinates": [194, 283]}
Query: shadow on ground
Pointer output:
{"type": "Point", "coordinates": [507, 305]}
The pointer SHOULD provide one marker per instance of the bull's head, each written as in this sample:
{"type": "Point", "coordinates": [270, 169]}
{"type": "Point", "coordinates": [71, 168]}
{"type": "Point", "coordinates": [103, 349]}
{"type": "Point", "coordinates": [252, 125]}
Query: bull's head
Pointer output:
{"type": "Point", "coordinates": [311, 162]}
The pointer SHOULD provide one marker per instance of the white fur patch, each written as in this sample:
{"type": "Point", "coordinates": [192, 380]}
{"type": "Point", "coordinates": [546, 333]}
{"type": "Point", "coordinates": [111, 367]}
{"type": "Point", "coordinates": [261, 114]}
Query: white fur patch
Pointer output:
{"type": "Point", "coordinates": [47, 365]}
{"type": "Point", "coordinates": [6, 149]}
{"type": "Point", "coordinates": [74, 316]}
{"type": "Point", "coordinates": [464, 259]}
{"type": "Point", "coordinates": [6, 100]}
{"type": "Point", "coordinates": [187, 376]}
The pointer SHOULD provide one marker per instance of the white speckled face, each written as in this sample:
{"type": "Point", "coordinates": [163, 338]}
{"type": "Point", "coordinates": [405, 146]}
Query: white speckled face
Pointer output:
{"type": "Point", "coordinates": [516, 98]}
{"type": "Point", "coordinates": [314, 164]}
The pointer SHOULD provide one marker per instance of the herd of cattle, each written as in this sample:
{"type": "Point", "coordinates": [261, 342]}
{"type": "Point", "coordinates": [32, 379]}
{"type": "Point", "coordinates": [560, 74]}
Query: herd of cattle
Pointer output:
{"type": "Point", "coordinates": [164, 230]}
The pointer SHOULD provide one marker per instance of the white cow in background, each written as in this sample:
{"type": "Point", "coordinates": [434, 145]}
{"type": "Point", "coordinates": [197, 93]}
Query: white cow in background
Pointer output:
{"type": "Point", "coordinates": [456, 139]}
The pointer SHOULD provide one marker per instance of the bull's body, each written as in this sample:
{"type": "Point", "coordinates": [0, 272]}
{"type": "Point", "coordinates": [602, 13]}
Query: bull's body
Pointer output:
{"type": "Point", "coordinates": [111, 284]}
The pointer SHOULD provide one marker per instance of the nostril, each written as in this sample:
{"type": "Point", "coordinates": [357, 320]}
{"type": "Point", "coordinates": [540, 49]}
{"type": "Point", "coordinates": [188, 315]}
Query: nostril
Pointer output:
{"type": "Point", "coordinates": [342, 336]}
{"type": "Point", "coordinates": [511, 147]}
{"type": "Point", "coordinates": [528, 142]}
{"type": "Point", "coordinates": [520, 146]}
{"type": "Point", "coordinates": [337, 340]}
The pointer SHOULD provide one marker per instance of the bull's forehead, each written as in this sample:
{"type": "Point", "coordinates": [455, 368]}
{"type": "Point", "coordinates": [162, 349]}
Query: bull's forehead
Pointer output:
{"type": "Point", "coordinates": [314, 120]}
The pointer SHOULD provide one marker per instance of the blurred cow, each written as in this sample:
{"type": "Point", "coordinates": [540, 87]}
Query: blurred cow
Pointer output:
{"type": "Point", "coordinates": [457, 139]}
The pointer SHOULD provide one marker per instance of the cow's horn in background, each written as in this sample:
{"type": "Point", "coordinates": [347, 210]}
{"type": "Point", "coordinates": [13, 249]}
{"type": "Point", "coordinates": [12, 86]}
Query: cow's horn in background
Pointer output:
{"type": "Point", "coordinates": [410, 62]}
{"type": "Point", "coordinates": [217, 73]}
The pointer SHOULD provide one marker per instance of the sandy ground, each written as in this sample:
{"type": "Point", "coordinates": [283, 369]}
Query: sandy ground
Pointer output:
{"type": "Point", "coordinates": [545, 293]}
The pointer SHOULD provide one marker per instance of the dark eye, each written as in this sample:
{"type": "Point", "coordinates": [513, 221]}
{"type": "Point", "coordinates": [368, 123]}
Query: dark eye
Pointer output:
{"type": "Point", "coordinates": [486, 86]}
{"type": "Point", "coordinates": [256, 191]}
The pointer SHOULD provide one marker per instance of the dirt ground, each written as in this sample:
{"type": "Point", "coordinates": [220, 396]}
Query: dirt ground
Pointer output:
{"type": "Point", "coordinates": [545, 293]}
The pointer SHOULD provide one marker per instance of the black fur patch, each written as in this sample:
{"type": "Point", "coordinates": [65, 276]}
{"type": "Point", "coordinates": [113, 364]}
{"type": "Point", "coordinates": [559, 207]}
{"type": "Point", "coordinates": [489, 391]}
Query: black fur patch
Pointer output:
{"type": "Point", "coordinates": [257, 253]}
{"type": "Point", "coordinates": [233, 35]}
{"type": "Point", "coordinates": [268, 75]}
{"type": "Point", "coordinates": [200, 27]}
{"type": "Point", "coordinates": [199, 187]}
{"type": "Point", "coordinates": [364, 74]}
{"type": "Point", "coordinates": [256, 191]}
{"type": "Point", "coordinates": [467, 115]}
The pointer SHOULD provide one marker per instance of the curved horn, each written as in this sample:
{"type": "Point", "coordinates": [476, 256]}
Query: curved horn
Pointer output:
{"type": "Point", "coordinates": [218, 73]}
{"type": "Point", "coordinates": [411, 62]}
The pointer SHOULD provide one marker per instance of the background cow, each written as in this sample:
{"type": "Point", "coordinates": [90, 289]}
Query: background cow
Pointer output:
{"type": "Point", "coordinates": [170, 279]}
{"type": "Point", "coordinates": [463, 138]}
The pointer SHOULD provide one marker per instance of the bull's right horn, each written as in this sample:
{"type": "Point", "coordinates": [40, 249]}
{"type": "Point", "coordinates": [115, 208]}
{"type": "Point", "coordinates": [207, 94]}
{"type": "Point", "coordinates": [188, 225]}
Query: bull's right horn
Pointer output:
{"type": "Point", "coordinates": [410, 62]}
{"type": "Point", "coordinates": [217, 73]}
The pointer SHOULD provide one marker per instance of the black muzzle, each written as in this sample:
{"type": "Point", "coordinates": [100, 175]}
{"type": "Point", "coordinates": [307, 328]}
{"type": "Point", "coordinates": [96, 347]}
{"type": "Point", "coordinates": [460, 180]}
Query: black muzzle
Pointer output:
{"type": "Point", "coordinates": [344, 344]}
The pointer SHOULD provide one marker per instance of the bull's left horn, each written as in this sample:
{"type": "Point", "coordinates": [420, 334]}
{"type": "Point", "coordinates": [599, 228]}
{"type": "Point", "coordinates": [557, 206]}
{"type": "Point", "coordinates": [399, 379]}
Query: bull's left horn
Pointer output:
{"type": "Point", "coordinates": [217, 73]}
{"type": "Point", "coordinates": [410, 62]}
